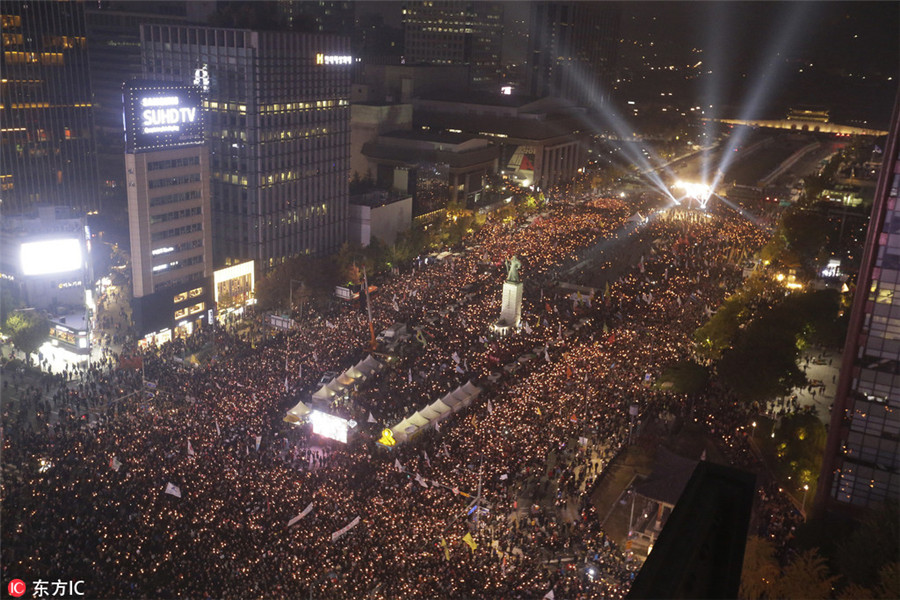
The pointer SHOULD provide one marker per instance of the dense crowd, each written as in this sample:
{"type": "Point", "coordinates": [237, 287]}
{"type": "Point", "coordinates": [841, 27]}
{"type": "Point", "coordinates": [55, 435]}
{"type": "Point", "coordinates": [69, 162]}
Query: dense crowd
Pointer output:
{"type": "Point", "coordinates": [460, 512]}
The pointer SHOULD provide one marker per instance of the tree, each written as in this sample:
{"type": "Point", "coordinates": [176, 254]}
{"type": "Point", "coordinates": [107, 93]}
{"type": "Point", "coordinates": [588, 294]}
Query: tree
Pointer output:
{"type": "Point", "coordinates": [800, 443]}
{"type": "Point", "coordinates": [687, 377]}
{"type": "Point", "coordinates": [806, 234]}
{"type": "Point", "coordinates": [875, 543]}
{"type": "Point", "coordinates": [807, 576]}
{"type": "Point", "coordinates": [27, 330]}
{"type": "Point", "coordinates": [760, 570]}
{"type": "Point", "coordinates": [9, 299]}
{"type": "Point", "coordinates": [318, 275]}
{"type": "Point", "coordinates": [888, 587]}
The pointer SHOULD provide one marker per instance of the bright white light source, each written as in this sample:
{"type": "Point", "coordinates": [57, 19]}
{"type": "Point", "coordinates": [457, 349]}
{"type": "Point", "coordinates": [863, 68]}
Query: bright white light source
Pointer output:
{"type": "Point", "coordinates": [330, 426]}
{"type": "Point", "coordinates": [695, 191]}
{"type": "Point", "coordinates": [50, 256]}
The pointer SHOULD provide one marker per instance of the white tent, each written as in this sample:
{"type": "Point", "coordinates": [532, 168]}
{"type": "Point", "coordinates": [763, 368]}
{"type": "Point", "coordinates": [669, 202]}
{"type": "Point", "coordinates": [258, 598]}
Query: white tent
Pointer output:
{"type": "Point", "coordinates": [323, 393]}
{"type": "Point", "coordinates": [368, 366]}
{"type": "Point", "coordinates": [297, 413]}
{"type": "Point", "coordinates": [337, 386]}
{"type": "Point", "coordinates": [454, 401]}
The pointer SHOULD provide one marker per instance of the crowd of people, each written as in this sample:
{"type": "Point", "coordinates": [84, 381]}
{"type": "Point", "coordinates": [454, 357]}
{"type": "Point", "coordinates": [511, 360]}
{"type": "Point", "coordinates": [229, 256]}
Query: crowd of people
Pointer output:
{"type": "Point", "coordinates": [198, 487]}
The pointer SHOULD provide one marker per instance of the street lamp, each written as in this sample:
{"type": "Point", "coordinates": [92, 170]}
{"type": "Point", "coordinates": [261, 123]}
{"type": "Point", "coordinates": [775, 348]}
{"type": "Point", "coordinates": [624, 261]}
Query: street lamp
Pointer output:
{"type": "Point", "coordinates": [805, 490]}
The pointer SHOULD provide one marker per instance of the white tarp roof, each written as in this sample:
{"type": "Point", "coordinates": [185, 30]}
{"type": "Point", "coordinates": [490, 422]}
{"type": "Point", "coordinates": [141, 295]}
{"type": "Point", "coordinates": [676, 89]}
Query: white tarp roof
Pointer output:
{"type": "Point", "coordinates": [368, 366]}
{"type": "Point", "coordinates": [298, 412]}
{"type": "Point", "coordinates": [363, 369]}
{"type": "Point", "coordinates": [440, 407]}
{"type": "Point", "coordinates": [430, 413]}
{"type": "Point", "coordinates": [323, 393]}
{"type": "Point", "coordinates": [418, 420]}
{"type": "Point", "coordinates": [456, 400]}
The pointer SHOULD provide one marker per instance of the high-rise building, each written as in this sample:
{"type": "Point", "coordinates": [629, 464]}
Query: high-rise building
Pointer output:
{"type": "Point", "coordinates": [861, 467]}
{"type": "Point", "coordinates": [572, 50]}
{"type": "Point", "coordinates": [319, 16]}
{"type": "Point", "coordinates": [456, 32]}
{"type": "Point", "coordinates": [48, 153]}
{"type": "Point", "coordinates": [278, 132]}
{"type": "Point", "coordinates": [169, 221]}
{"type": "Point", "coordinates": [114, 45]}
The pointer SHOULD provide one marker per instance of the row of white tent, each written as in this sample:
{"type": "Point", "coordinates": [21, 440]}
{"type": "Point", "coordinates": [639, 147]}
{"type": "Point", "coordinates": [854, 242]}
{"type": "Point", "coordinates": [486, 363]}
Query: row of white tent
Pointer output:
{"type": "Point", "coordinates": [422, 420]}
{"type": "Point", "coordinates": [359, 372]}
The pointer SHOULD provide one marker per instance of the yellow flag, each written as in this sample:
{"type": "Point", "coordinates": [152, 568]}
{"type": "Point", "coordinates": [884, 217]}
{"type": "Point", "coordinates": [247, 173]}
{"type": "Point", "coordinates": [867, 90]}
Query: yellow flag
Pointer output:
{"type": "Point", "coordinates": [538, 409]}
{"type": "Point", "coordinates": [446, 549]}
{"type": "Point", "coordinates": [468, 539]}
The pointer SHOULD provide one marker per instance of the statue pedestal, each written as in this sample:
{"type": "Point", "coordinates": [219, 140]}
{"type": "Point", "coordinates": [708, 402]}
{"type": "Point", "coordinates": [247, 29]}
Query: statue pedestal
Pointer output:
{"type": "Point", "coordinates": [510, 308]}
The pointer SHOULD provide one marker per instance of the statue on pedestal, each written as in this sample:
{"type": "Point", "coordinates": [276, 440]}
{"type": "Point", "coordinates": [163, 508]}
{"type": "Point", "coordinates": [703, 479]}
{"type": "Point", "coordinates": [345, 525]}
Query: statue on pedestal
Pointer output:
{"type": "Point", "coordinates": [513, 266]}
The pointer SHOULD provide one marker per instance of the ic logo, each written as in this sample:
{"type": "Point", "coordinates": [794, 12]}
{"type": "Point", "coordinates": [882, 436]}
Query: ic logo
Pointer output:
{"type": "Point", "coordinates": [16, 588]}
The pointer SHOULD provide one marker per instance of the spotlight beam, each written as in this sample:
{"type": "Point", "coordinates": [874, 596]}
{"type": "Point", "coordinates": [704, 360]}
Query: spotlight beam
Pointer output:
{"type": "Point", "coordinates": [770, 73]}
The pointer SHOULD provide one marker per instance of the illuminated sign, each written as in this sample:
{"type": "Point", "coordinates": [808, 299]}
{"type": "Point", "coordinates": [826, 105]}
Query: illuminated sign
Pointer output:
{"type": "Point", "coordinates": [201, 78]}
{"type": "Point", "coordinates": [330, 426]}
{"type": "Point", "coordinates": [237, 282]}
{"type": "Point", "coordinates": [167, 114]}
{"type": "Point", "coordinates": [162, 115]}
{"type": "Point", "coordinates": [330, 59]}
{"type": "Point", "coordinates": [50, 256]}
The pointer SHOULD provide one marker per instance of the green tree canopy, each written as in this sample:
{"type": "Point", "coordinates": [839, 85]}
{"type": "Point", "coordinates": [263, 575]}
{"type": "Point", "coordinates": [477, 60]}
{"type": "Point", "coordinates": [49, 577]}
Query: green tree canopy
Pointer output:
{"type": "Point", "coordinates": [875, 543]}
{"type": "Point", "coordinates": [687, 377]}
{"type": "Point", "coordinates": [313, 276]}
{"type": "Point", "coordinates": [27, 330]}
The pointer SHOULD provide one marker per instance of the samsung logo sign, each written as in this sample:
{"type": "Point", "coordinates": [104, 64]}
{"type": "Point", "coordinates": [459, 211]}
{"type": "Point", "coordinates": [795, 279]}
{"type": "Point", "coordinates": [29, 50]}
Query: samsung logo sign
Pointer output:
{"type": "Point", "coordinates": [328, 59]}
{"type": "Point", "coordinates": [159, 115]}
{"type": "Point", "coordinates": [156, 120]}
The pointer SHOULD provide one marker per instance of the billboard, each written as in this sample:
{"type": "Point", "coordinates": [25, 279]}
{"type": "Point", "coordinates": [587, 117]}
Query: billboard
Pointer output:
{"type": "Point", "coordinates": [48, 257]}
{"type": "Point", "coordinates": [162, 115]}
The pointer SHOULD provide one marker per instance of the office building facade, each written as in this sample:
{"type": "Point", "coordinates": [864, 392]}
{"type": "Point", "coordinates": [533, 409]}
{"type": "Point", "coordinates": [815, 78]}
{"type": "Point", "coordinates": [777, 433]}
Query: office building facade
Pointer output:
{"type": "Point", "coordinates": [278, 133]}
{"type": "Point", "coordinates": [169, 216]}
{"type": "Point", "coordinates": [861, 467]}
{"type": "Point", "coordinates": [452, 32]}
{"type": "Point", "coordinates": [114, 47]}
{"type": "Point", "coordinates": [48, 152]}
{"type": "Point", "coordinates": [572, 49]}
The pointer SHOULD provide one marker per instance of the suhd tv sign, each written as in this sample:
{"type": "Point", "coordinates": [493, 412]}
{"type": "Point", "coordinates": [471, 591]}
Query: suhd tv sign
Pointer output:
{"type": "Point", "coordinates": [162, 115]}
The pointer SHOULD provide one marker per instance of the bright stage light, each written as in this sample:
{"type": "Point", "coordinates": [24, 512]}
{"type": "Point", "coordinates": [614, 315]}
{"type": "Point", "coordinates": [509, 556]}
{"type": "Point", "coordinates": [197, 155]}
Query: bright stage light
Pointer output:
{"type": "Point", "coordinates": [698, 191]}
{"type": "Point", "coordinates": [329, 426]}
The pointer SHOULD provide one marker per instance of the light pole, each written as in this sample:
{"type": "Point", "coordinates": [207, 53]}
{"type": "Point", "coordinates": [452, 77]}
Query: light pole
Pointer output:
{"type": "Point", "coordinates": [291, 299]}
{"type": "Point", "coordinates": [805, 490]}
{"type": "Point", "coordinates": [287, 348]}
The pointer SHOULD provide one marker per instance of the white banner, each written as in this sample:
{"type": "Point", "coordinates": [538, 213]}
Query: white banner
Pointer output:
{"type": "Point", "coordinates": [337, 534]}
{"type": "Point", "coordinates": [305, 512]}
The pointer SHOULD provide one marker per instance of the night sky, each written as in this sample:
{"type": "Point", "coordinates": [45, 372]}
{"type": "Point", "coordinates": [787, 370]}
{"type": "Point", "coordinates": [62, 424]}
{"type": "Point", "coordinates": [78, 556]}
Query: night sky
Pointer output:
{"type": "Point", "coordinates": [839, 55]}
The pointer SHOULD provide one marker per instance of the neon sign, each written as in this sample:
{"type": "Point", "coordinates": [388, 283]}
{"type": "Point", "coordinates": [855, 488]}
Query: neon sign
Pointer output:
{"type": "Point", "coordinates": [329, 59]}
{"type": "Point", "coordinates": [168, 118]}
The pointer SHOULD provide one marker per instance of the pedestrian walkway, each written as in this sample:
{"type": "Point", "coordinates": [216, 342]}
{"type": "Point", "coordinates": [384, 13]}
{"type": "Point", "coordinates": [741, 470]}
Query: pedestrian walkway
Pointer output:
{"type": "Point", "coordinates": [822, 370]}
